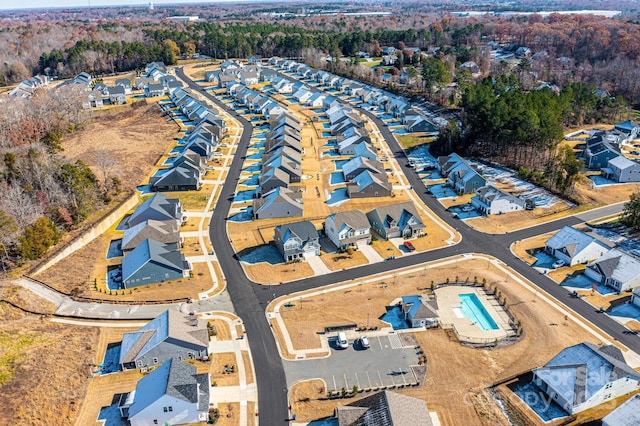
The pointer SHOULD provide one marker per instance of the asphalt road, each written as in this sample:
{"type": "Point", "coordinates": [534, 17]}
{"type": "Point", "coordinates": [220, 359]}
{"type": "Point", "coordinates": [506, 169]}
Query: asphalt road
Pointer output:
{"type": "Point", "coordinates": [250, 299]}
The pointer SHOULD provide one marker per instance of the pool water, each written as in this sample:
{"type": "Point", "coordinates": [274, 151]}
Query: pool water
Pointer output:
{"type": "Point", "coordinates": [395, 317]}
{"type": "Point", "coordinates": [472, 308]}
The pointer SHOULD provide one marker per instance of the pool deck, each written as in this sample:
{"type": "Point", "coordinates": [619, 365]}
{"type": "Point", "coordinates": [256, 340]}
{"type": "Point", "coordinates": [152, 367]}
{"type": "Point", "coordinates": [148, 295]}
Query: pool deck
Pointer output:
{"type": "Point", "coordinates": [448, 299]}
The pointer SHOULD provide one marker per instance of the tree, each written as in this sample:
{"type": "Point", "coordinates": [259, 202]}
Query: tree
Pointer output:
{"type": "Point", "coordinates": [189, 48]}
{"type": "Point", "coordinates": [8, 231]}
{"type": "Point", "coordinates": [38, 238]}
{"type": "Point", "coordinates": [434, 74]}
{"type": "Point", "coordinates": [18, 72]}
{"type": "Point", "coordinates": [171, 51]}
{"type": "Point", "coordinates": [631, 213]}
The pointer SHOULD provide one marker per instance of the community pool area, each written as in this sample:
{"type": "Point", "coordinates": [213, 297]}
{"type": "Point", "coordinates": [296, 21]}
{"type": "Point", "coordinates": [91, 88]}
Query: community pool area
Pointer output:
{"type": "Point", "coordinates": [542, 404]}
{"type": "Point", "coordinates": [475, 315]}
{"type": "Point", "coordinates": [472, 308]}
{"type": "Point", "coordinates": [395, 318]}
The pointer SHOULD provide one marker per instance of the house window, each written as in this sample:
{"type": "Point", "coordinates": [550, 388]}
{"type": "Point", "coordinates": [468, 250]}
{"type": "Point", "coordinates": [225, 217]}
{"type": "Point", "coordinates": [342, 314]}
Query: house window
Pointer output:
{"type": "Point", "coordinates": [170, 408]}
{"type": "Point", "coordinates": [155, 421]}
{"type": "Point", "coordinates": [155, 360]}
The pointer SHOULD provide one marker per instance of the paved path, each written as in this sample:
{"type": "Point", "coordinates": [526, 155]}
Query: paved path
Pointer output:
{"type": "Point", "coordinates": [318, 266]}
{"type": "Point", "coordinates": [370, 253]}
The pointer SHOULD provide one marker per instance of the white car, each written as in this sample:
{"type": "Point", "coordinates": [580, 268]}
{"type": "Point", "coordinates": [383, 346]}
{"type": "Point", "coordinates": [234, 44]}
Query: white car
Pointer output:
{"type": "Point", "coordinates": [341, 341]}
{"type": "Point", "coordinates": [364, 342]}
{"type": "Point", "coordinates": [558, 264]}
{"type": "Point", "coordinates": [467, 208]}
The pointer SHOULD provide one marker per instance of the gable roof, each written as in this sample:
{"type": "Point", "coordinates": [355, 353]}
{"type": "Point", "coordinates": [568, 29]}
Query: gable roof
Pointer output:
{"type": "Point", "coordinates": [354, 219]}
{"type": "Point", "coordinates": [617, 265]}
{"type": "Point", "coordinates": [361, 162]}
{"type": "Point", "coordinates": [627, 414]}
{"type": "Point", "coordinates": [571, 240]}
{"type": "Point", "coordinates": [579, 371]}
{"type": "Point", "coordinates": [621, 162]}
{"type": "Point", "coordinates": [174, 378]}
{"type": "Point", "coordinates": [304, 229]}
{"type": "Point", "coordinates": [364, 180]}
{"type": "Point", "coordinates": [163, 231]}
{"type": "Point", "coordinates": [170, 324]}
{"type": "Point", "coordinates": [150, 250]}
{"type": "Point", "coordinates": [399, 213]}
{"type": "Point", "coordinates": [167, 208]}
{"type": "Point", "coordinates": [385, 408]}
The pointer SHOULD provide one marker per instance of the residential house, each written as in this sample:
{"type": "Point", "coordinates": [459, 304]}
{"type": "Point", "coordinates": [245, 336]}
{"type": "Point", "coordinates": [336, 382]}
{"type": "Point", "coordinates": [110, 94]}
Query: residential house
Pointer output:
{"type": "Point", "coordinates": [389, 60]}
{"type": "Point", "coordinates": [585, 375]}
{"type": "Point", "coordinates": [418, 123]}
{"type": "Point", "coordinates": [357, 165]}
{"type": "Point", "coordinates": [247, 77]}
{"type": "Point", "coordinates": [172, 394]}
{"type": "Point", "coordinates": [353, 89]}
{"type": "Point", "coordinates": [470, 66]}
{"type": "Point", "coordinates": [151, 66]}
{"type": "Point", "coordinates": [491, 200]}
{"type": "Point", "coordinates": [163, 231]}
{"type": "Point", "coordinates": [171, 334]}
{"type": "Point", "coordinates": [254, 59]}
{"type": "Point", "coordinates": [598, 152]}
{"type": "Point", "coordinates": [273, 178]}
{"type": "Point", "coordinates": [461, 175]}
{"type": "Point", "coordinates": [283, 86]}
{"type": "Point", "coordinates": [368, 184]}
{"type": "Point", "coordinates": [420, 311]}
{"type": "Point", "coordinates": [616, 269]}
{"type": "Point", "coordinates": [574, 247]}
{"type": "Point", "coordinates": [153, 90]}
{"type": "Point", "coordinates": [226, 80]}
{"type": "Point", "coordinates": [627, 414]}
{"type": "Point", "coordinates": [348, 229]}
{"type": "Point", "coordinates": [117, 95]}
{"type": "Point", "coordinates": [153, 262]}
{"type": "Point", "coordinates": [279, 202]}
{"type": "Point", "coordinates": [627, 128]}
{"type": "Point", "coordinates": [315, 100]}
{"type": "Point", "coordinates": [384, 408]}
{"type": "Point", "coordinates": [211, 76]}
{"type": "Point", "coordinates": [290, 167]}
{"type": "Point", "coordinates": [95, 99]}
{"type": "Point", "coordinates": [126, 84]}
{"type": "Point", "coordinates": [297, 240]}
{"type": "Point", "coordinates": [366, 150]}
{"type": "Point", "coordinates": [157, 207]}
{"type": "Point", "coordinates": [303, 94]}
{"type": "Point", "coordinates": [102, 88]}
{"type": "Point", "coordinates": [348, 146]}
{"type": "Point", "coordinates": [621, 169]}
{"type": "Point", "coordinates": [83, 79]}
{"type": "Point", "coordinates": [397, 220]}
{"type": "Point", "coordinates": [230, 66]}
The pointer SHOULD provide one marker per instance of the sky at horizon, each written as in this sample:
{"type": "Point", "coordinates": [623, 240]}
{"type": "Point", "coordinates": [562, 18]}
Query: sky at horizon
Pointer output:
{"type": "Point", "coordinates": [50, 4]}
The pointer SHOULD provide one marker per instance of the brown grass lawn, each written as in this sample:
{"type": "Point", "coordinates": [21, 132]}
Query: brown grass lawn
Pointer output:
{"type": "Point", "coordinates": [386, 248]}
{"type": "Point", "coordinates": [25, 299]}
{"type": "Point", "coordinates": [222, 328]}
{"type": "Point", "coordinates": [191, 247]}
{"type": "Point", "coordinates": [338, 261]}
{"type": "Point", "coordinates": [78, 272]}
{"type": "Point", "coordinates": [136, 136]}
{"type": "Point", "coordinates": [229, 414]}
{"type": "Point", "coordinates": [413, 140]}
{"type": "Point", "coordinates": [265, 273]}
{"type": "Point", "coordinates": [193, 200]}
{"type": "Point", "coordinates": [43, 368]}
{"type": "Point", "coordinates": [456, 374]}
{"type": "Point", "coordinates": [218, 361]}
{"type": "Point", "coordinates": [248, 367]}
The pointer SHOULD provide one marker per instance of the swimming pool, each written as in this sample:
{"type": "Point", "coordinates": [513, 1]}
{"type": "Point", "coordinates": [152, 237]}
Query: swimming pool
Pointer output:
{"type": "Point", "coordinates": [472, 308]}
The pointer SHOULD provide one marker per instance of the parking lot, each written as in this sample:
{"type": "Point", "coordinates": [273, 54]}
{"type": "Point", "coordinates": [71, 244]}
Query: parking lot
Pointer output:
{"type": "Point", "coordinates": [385, 364]}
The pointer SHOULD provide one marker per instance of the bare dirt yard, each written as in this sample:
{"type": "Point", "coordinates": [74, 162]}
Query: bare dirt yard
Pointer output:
{"type": "Point", "coordinates": [456, 375]}
{"type": "Point", "coordinates": [43, 368]}
{"type": "Point", "coordinates": [134, 138]}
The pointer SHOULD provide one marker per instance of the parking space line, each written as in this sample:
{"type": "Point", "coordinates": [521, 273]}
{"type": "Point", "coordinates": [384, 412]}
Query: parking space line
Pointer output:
{"type": "Point", "coordinates": [335, 386]}
{"type": "Point", "coordinates": [381, 382]}
{"type": "Point", "coordinates": [380, 342]}
{"type": "Point", "coordinates": [357, 381]}
{"type": "Point", "coordinates": [369, 379]}
{"type": "Point", "coordinates": [402, 374]}
{"type": "Point", "coordinates": [346, 382]}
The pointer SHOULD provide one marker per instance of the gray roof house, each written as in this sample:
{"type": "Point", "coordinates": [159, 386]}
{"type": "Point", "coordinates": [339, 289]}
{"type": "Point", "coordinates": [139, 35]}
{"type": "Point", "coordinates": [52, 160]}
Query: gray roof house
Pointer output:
{"type": "Point", "coordinates": [117, 95]}
{"type": "Point", "coordinates": [621, 169]}
{"type": "Point", "coordinates": [280, 202]}
{"type": "Point", "coordinates": [397, 220]}
{"type": "Point", "coordinates": [126, 83]}
{"type": "Point", "coordinates": [491, 200]}
{"type": "Point", "coordinates": [586, 375]}
{"type": "Point", "coordinates": [153, 262]}
{"type": "Point", "coordinates": [273, 178]}
{"type": "Point", "coordinates": [384, 408]}
{"type": "Point", "coordinates": [574, 247]}
{"type": "Point", "coordinates": [157, 207]}
{"type": "Point", "coordinates": [461, 175]}
{"type": "Point", "coordinates": [172, 394]}
{"type": "Point", "coordinates": [627, 414]}
{"type": "Point", "coordinates": [297, 240]}
{"type": "Point", "coordinates": [369, 184]}
{"type": "Point", "coordinates": [181, 177]}
{"type": "Point", "coordinates": [366, 150]}
{"type": "Point", "coordinates": [357, 165]}
{"type": "Point", "coordinates": [616, 269]}
{"type": "Point", "coordinates": [348, 229]}
{"type": "Point", "coordinates": [598, 152]}
{"type": "Point", "coordinates": [165, 232]}
{"type": "Point", "coordinates": [153, 90]}
{"type": "Point", "coordinates": [420, 310]}
{"type": "Point", "coordinates": [171, 334]}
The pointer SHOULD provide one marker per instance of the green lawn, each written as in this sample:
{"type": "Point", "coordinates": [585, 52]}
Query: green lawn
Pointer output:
{"type": "Point", "coordinates": [413, 140]}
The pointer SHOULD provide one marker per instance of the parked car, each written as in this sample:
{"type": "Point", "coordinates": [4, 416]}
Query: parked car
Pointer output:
{"type": "Point", "coordinates": [341, 341]}
{"type": "Point", "coordinates": [558, 264]}
{"type": "Point", "coordinates": [409, 246]}
{"type": "Point", "coordinates": [364, 342]}
{"type": "Point", "coordinates": [467, 208]}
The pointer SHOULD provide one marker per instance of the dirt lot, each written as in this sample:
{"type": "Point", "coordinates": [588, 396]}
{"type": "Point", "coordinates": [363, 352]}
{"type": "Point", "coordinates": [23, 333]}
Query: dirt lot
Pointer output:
{"type": "Point", "coordinates": [456, 374]}
{"type": "Point", "coordinates": [43, 368]}
{"type": "Point", "coordinates": [135, 136]}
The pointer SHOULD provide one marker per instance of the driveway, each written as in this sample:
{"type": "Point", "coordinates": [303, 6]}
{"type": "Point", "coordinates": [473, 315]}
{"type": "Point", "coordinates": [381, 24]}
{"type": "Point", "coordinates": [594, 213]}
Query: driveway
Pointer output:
{"type": "Point", "coordinates": [318, 266]}
{"type": "Point", "coordinates": [370, 253]}
{"type": "Point", "coordinates": [385, 363]}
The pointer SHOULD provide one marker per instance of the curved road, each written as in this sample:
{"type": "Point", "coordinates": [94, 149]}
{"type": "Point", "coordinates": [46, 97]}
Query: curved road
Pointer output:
{"type": "Point", "coordinates": [250, 299]}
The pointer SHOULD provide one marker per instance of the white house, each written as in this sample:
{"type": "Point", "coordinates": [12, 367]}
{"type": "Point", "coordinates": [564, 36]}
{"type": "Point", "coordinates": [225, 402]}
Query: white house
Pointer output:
{"type": "Point", "coordinates": [172, 394]}
{"type": "Point", "coordinates": [574, 247]}
{"type": "Point", "coordinates": [348, 229]}
{"type": "Point", "coordinates": [621, 169]}
{"type": "Point", "coordinates": [491, 200]}
{"type": "Point", "coordinates": [616, 269]}
{"type": "Point", "coordinates": [316, 100]}
{"type": "Point", "coordinates": [627, 414]}
{"type": "Point", "coordinates": [586, 375]}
